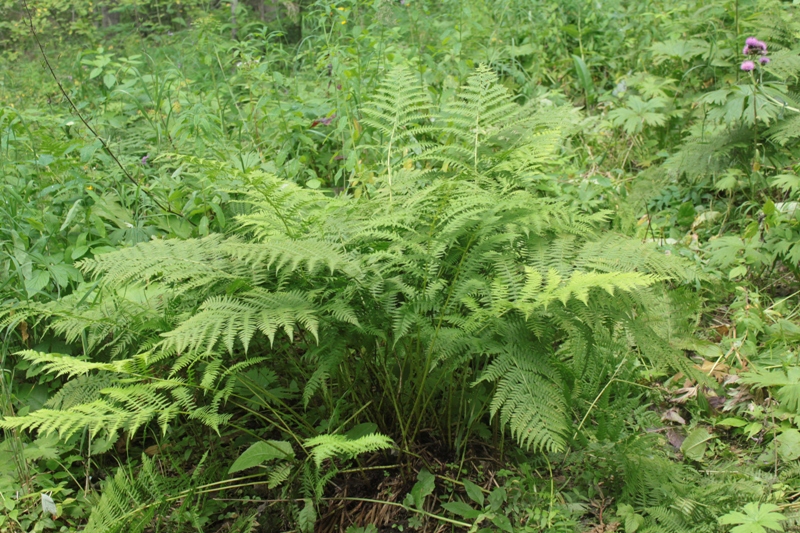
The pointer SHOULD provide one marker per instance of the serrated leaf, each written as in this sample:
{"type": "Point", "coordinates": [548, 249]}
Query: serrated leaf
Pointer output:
{"type": "Point", "coordinates": [307, 517]}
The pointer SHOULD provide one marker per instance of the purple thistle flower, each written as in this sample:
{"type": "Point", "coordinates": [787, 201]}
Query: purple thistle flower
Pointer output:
{"type": "Point", "coordinates": [748, 66]}
{"type": "Point", "coordinates": [144, 159]}
{"type": "Point", "coordinates": [763, 60]}
{"type": "Point", "coordinates": [754, 46]}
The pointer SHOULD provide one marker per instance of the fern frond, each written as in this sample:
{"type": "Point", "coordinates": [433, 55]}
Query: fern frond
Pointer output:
{"type": "Point", "coordinates": [98, 416]}
{"type": "Point", "coordinates": [528, 399]}
{"type": "Point", "coordinates": [136, 501]}
{"type": "Point", "coordinates": [85, 388]}
{"type": "Point", "coordinates": [226, 319]}
{"type": "Point", "coordinates": [329, 446]}
{"type": "Point", "coordinates": [185, 264]}
{"type": "Point", "coordinates": [785, 130]}
{"type": "Point", "coordinates": [66, 365]}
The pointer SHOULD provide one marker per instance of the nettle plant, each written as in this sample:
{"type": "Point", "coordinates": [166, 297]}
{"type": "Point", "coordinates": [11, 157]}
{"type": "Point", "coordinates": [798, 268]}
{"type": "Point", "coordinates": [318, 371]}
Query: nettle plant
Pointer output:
{"type": "Point", "coordinates": [449, 295]}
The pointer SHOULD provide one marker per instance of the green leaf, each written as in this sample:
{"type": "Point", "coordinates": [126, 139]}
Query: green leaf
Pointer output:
{"type": "Point", "coordinates": [361, 430]}
{"type": "Point", "coordinates": [785, 182]}
{"type": "Point", "coordinates": [73, 211]}
{"type": "Point", "coordinates": [694, 447]}
{"type": "Point", "coordinates": [261, 452]}
{"type": "Point", "coordinates": [503, 523]}
{"type": "Point", "coordinates": [789, 444]}
{"type": "Point", "coordinates": [737, 271]}
{"type": "Point", "coordinates": [180, 226]}
{"type": "Point", "coordinates": [38, 281]}
{"type": "Point", "coordinates": [497, 498]}
{"type": "Point", "coordinates": [474, 492]}
{"type": "Point", "coordinates": [755, 519]}
{"type": "Point", "coordinates": [79, 251]}
{"type": "Point", "coordinates": [633, 522]}
{"type": "Point", "coordinates": [686, 214]}
{"type": "Point", "coordinates": [732, 422]}
{"type": "Point", "coordinates": [423, 487]}
{"type": "Point", "coordinates": [307, 517]}
{"type": "Point", "coordinates": [584, 76]}
{"type": "Point", "coordinates": [461, 509]}
{"type": "Point", "coordinates": [219, 215]}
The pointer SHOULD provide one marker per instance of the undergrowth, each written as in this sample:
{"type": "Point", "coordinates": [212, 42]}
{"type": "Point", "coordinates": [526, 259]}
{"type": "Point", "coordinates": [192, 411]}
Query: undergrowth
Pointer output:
{"type": "Point", "coordinates": [371, 266]}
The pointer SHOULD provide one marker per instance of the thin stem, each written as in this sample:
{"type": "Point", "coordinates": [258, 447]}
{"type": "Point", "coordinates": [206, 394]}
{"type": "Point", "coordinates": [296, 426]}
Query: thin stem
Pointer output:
{"type": "Point", "coordinates": [755, 123]}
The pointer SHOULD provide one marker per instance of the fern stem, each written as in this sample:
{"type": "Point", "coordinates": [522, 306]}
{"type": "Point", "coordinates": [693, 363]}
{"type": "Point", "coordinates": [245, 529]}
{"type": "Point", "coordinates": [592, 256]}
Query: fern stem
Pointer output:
{"type": "Point", "coordinates": [281, 426]}
{"type": "Point", "coordinates": [429, 358]}
{"type": "Point", "coordinates": [280, 402]}
{"type": "Point", "coordinates": [599, 395]}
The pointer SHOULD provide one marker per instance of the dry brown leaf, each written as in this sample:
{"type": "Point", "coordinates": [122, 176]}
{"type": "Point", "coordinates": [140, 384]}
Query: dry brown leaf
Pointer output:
{"type": "Point", "coordinates": [673, 416]}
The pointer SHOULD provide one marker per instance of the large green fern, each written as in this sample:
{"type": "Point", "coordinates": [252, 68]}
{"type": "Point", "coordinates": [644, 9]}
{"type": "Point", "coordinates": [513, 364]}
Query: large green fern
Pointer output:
{"type": "Point", "coordinates": [452, 275]}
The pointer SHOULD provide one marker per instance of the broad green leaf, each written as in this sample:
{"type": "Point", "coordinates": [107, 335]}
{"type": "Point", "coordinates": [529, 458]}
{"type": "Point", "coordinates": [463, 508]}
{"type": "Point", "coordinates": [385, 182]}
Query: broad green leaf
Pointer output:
{"type": "Point", "coordinates": [789, 444]}
{"type": "Point", "coordinates": [307, 517]}
{"type": "Point", "coordinates": [732, 422]}
{"type": "Point", "coordinates": [423, 487]}
{"type": "Point", "coordinates": [497, 498]}
{"type": "Point", "coordinates": [474, 492]}
{"type": "Point", "coordinates": [694, 447]}
{"type": "Point", "coordinates": [361, 430]}
{"type": "Point", "coordinates": [461, 509]}
{"type": "Point", "coordinates": [38, 281]}
{"type": "Point", "coordinates": [503, 523]}
{"type": "Point", "coordinates": [584, 76]}
{"type": "Point", "coordinates": [73, 211]}
{"type": "Point", "coordinates": [261, 452]}
{"type": "Point", "coordinates": [755, 519]}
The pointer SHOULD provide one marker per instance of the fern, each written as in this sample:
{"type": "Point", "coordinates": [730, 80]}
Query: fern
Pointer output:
{"type": "Point", "coordinates": [137, 501]}
{"type": "Point", "coordinates": [456, 274]}
{"type": "Point", "coordinates": [329, 446]}
{"type": "Point", "coordinates": [396, 109]}
{"type": "Point", "coordinates": [522, 382]}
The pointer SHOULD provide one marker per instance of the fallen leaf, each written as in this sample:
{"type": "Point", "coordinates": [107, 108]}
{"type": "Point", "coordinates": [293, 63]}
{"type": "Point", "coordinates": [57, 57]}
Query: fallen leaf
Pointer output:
{"type": "Point", "coordinates": [673, 416]}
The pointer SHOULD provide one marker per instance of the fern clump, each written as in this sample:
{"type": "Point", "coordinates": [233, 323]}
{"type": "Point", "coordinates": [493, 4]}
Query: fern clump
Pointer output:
{"type": "Point", "coordinates": [450, 276]}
